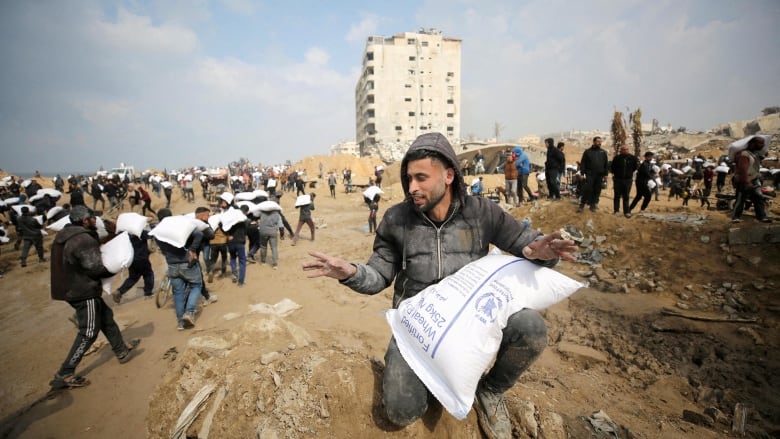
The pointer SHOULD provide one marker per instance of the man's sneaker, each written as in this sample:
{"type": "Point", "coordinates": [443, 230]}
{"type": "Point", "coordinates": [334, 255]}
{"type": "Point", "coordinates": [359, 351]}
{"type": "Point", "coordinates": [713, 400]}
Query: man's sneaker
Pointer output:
{"type": "Point", "coordinates": [235, 278]}
{"type": "Point", "coordinates": [736, 220]}
{"type": "Point", "coordinates": [24, 264]}
{"type": "Point", "coordinates": [42, 260]}
{"type": "Point", "coordinates": [188, 319]}
{"type": "Point", "coordinates": [580, 209]}
{"type": "Point", "coordinates": [492, 414]}
{"type": "Point", "coordinates": [117, 296]}
{"type": "Point", "coordinates": [251, 260]}
{"type": "Point", "coordinates": [628, 215]}
{"type": "Point", "coordinates": [180, 327]}
{"type": "Point", "coordinates": [211, 277]}
{"type": "Point", "coordinates": [594, 209]}
{"type": "Point", "coordinates": [212, 298]}
{"type": "Point", "coordinates": [765, 220]}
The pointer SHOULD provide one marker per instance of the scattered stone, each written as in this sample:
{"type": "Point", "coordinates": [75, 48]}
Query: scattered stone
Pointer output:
{"type": "Point", "coordinates": [697, 418]}
{"type": "Point", "coordinates": [324, 412]}
{"type": "Point", "coordinates": [708, 395]}
{"type": "Point", "coordinates": [705, 239]}
{"type": "Point", "coordinates": [589, 226]}
{"type": "Point", "coordinates": [750, 332]}
{"type": "Point", "coordinates": [551, 426]}
{"type": "Point", "coordinates": [683, 296]}
{"type": "Point", "coordinates": [740, 419]}
{"type": "Point", "coordinates": [716, 415]}
{"type": "Point", "coordinates": [214, 346]}
{"type": "Point", "coordinates": [600, 273]}
{"type": "Point", "coordinates": [582, 355]}
{"type": "Point", "coordinates": [270, 358]}
{"type": "Point", "coordinates": [528, 423]}
{"type": "Point", "coordinates": [572, 232]}
{"type": "Point", "coordinates": [646, 285]}
{"type": "Point", "coordinates": [682, 305]}
{"type": "Point", "coordinates": [755, 260]}
{"type": "Point", "coordinates": [602, 423]}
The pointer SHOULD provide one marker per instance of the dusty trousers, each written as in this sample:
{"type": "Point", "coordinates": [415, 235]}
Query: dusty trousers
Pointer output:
{"type": "Point", "coordinates": [405, 397]}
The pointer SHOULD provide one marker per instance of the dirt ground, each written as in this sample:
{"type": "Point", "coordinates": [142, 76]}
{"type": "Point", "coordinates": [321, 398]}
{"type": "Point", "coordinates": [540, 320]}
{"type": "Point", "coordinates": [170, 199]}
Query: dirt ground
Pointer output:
{"type": "Point", "coordinates": [292, 357]}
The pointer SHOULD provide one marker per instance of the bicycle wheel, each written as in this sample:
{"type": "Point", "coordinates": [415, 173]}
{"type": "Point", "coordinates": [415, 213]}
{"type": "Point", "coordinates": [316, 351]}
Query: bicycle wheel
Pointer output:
{"type": "Point", "coordinates": [163, 292]}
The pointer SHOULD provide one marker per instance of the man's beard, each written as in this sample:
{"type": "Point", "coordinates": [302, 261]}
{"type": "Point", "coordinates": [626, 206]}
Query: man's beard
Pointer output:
{"type": "Point", "coordinates": [425, 208]}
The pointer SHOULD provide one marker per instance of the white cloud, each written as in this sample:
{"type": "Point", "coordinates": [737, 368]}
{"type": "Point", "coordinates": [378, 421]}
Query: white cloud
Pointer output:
{"type": "Point", "coordinates": [360, 31]}
{"type": "Point", "coordinates": [176, 83]}
{"type": "Point", "coordinates": [317, 56]}
{"type": "Point", "coordinates": [135, 32]}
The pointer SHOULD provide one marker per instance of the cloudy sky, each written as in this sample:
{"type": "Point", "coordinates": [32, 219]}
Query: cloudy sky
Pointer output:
{"type": "Point", "coordinates": [176, 83]}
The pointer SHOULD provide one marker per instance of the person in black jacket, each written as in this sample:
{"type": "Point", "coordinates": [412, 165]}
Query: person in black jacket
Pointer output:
{"type": "Point", "coordinates": [29, 230]}
{"type": "Point", "coordinates": [553, 167]}
{"type": "Point", "coordinates": [435, 231]}
{"type": "Point", "coordinates": [623, 167]}
{"type": "Point", "coordinates": [76, 195]}
{"type": "Point", "coordinates": [32, 188]}
{"type": "Point", "coordinates": [594, 167]}
{"type": "Point", "coordinates": [140, 267]}
{"type": "Point", "coordinates": [76, 273]}
{"type": "Point", "coordinates": [643, 176]}
{"type": "Point", "coordinates": [237, 248]}
{"type": "Point", "coordinates": [96, 190]}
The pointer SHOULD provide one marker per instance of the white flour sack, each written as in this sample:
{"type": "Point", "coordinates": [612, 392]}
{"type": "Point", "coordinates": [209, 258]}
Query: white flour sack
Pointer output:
{"type": "Point", "coordinates": [117, 253]}
{"type": "Point", "coordinates": [450, 332]}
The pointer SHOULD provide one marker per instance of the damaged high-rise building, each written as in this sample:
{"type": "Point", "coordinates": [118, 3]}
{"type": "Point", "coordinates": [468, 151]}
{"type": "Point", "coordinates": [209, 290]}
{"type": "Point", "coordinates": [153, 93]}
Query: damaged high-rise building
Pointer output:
{"type": "Point", "coordinates": [410, 85]}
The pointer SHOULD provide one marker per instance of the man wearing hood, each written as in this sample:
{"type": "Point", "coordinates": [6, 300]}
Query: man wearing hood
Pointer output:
{"type": "Point", "coordinates": [76, 273]}
{"type": "Point", "coordinates": [430, 235]}
{"type": "Point", "coordinates": [523, 164]}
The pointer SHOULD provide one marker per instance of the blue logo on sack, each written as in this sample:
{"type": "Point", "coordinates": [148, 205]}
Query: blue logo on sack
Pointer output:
{"type": "Point", "coordinates": [487, 307]}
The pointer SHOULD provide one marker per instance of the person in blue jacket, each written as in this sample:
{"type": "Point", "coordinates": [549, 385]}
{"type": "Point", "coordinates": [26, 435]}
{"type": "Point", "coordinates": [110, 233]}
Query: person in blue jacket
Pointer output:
{"type": "Point", "coordinates": [523, 164]}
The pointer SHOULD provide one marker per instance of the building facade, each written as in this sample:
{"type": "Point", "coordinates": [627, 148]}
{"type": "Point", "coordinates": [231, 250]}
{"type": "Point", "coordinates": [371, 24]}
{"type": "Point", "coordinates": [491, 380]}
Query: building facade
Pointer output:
{"type": "Point", "coordinates": [410, 85]}
{"type": "Point", "coordinates": [345, 148]}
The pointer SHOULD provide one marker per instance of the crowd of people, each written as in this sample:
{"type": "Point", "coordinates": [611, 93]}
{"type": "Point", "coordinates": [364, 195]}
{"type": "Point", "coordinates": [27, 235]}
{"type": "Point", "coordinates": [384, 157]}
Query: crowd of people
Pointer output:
{"type": "Point", "coordinates": [242, 233]}
{"type": "Point", "coordinates": [685, 179]}
{"type": "Point", "coordinates": [412, 249]}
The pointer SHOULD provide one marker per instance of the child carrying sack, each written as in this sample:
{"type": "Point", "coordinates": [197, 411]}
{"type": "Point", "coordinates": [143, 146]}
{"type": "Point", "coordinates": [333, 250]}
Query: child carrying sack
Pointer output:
{"type": "Point", "coordinates": [450, 332]}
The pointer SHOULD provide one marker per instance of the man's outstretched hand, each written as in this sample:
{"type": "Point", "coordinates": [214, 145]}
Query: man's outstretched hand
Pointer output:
{"type": "Point", "coordinates": [550, 247]}
{"type": "Point", "coordinates": [331, 266]}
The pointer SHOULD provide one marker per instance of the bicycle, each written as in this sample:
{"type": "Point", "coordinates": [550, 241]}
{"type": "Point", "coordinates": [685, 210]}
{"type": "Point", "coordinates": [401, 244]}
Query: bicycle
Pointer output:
{"type": "Point", "coordinates": [163, 292]}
